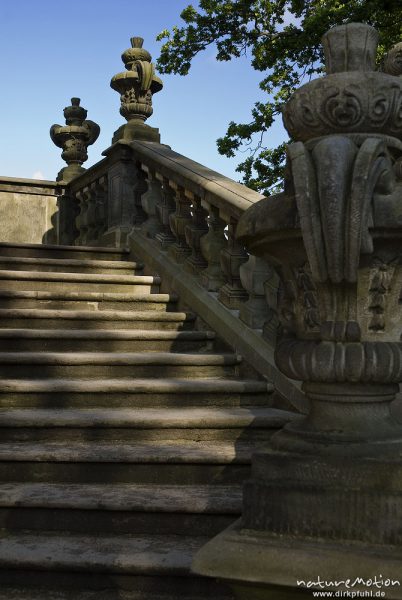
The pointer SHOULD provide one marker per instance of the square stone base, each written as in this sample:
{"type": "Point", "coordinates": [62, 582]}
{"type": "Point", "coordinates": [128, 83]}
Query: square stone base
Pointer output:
{"type": "Point", "coordinates": [136, 131]}
{"type": "Point", "coordinates": [260, 566]}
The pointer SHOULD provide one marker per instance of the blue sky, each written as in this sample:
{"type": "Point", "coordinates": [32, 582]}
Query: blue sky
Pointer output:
{"type": "Point", "coordinates": [51, 51]}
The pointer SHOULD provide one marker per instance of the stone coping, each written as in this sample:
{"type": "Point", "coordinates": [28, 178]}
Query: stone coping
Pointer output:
{"type": "Point", "coordinates": [209, 185]}
{"type": "Point", "coordinates": [29, 186]}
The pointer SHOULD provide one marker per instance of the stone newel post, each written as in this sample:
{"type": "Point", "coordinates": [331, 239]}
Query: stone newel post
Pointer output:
{"type": "Point", "coordinates": [331, 482]}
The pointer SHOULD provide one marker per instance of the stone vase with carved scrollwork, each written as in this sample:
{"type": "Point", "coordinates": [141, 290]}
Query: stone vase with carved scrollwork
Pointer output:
{"type": "Point", "coordinates": [332, 476]}
{"type": "Point", "coordinates": [74, 138]}
{"type": "Point", "coordinates": [136, 87]}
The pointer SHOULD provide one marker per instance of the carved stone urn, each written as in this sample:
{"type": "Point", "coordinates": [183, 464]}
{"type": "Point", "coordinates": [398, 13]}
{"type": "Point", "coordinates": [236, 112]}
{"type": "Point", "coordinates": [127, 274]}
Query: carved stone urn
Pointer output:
{"type": "Point", "coordinates": [74, 137]}
{"type": "Point", "coordinates": [325, 499]}
{"type": "Point", "coordinates": [136, 86]}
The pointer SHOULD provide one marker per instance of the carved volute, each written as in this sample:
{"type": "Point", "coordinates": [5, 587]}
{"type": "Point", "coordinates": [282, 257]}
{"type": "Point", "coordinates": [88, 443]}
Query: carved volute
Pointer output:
{"type": "Point", "coordinates": [74, 137]}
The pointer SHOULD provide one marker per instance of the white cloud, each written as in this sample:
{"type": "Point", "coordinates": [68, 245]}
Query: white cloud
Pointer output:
{"type": "Point", "coordinates": [38, 175]}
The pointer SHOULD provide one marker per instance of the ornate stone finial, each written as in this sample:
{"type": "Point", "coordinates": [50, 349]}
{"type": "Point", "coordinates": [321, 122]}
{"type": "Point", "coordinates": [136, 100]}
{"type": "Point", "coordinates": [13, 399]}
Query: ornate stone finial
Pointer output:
{"type": "Point", "coordinates": [336, 237]}
{"type": "Point", "coordinates": [136, 86]}
{"type": "Point", "coordinates": [74, 137]}
{"type": "Point", "coordinates": [329, 483]}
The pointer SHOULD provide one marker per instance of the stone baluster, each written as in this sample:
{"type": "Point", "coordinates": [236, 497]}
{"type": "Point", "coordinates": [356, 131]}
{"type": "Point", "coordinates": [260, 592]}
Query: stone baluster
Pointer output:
{"type": "Point", "coordinates": [253, 274]}
{"type": "Point", "coordinates": [194, 232]}
{"type": "Point", "coordinates": [100, 207]}
{"type": "Point", "coordinates": [81, 219]}
{"type": "Point", "coordinates": [164, 209]}
{"type": "Point", "coordinates": [150, 199]}
{"type": "Point", "coordinates": [91, 215]}
{"type": "Point", "coordinates": [140, 188]}
{"type": "Point", "coordinates": [212, 244]}
{"type": "Point", "coordinates": [178, 220]}
{"type": "Point", "coordinates": [232, 294]}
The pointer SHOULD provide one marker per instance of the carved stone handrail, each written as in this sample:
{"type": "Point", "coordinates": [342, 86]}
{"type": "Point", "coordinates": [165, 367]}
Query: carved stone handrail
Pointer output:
{"type": "Point", "coordinates": [220, 191]}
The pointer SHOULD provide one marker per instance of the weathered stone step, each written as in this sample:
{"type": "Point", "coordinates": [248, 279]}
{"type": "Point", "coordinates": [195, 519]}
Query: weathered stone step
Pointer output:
{"type": "Point", "coordinates": [128, 424]}
{"type": "Point", "coordinates": [213, 499]}
{"type": "Point", "coordinates": [173, 452]}
{"type": "Point", "coordinates": [145, 555]}
{"type": "Point", "coordinates": [166, 462]}
{"type": "Point", "coordinates": [38, 280]}
{"type": "Point", "coordinates": [33, 365]}
{"type": "Point", "coordinates": [119, 509]}
{"type": "Point", "coordinates": [61, 252]}
{"type": "Point", "coordinates": [160, 418]}
{"type": "Point", "coordinates": [77, 319]}
{"type": "Point", "coordinates": [150, 393]}
{"type": "Point", "coordinates": [109, 386]}
{"type": "Point", "coordinates": [152, 340]}
{"type": "Point", "coordinates": [52, 593]}
{"type": "Point", "coordinates": [71, 265]}
{"type": "Point", "coordinates": [96, 301]}
{"type": "Point", "coordinates": [153, 567]}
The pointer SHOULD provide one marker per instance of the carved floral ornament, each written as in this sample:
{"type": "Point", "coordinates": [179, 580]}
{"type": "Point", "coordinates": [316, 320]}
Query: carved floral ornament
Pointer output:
{"type": "Point", "coordinates": [346, 102]}
{"type": "Point", "coordinates": [353, 97]}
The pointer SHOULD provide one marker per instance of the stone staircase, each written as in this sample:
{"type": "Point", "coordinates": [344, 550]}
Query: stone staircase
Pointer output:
{"type": "Point", "coordinates": [126, 432]}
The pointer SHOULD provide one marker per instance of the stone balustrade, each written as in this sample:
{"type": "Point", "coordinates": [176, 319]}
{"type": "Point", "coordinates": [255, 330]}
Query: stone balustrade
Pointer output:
{"type": "Point", "coordinates": [192, 212]}
{"type": "Point", "coordinates": [189, 211]}
{"type": "Point", "coordinates": [183, 216]}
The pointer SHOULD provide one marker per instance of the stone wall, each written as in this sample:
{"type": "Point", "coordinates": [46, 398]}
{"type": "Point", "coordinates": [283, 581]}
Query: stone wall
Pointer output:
{"type": "Point", "coordinates": [28, 211]}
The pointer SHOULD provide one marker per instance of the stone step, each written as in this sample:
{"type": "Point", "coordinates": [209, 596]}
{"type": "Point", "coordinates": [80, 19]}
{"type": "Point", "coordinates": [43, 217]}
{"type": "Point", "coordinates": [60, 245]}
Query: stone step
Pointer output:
{"type": "Point", "coordinates": [191, 499]}
{"type": "Point", "coordinates": [150, 566]}
{"type": "Point", "coordinates": [71, 265]}
{"type": "Point", "coordinates": [116, 509]}
{"type": "Point", "coordinates": [95, 301]}
{"type": "Point", "coordinates": [86, 319]}
{"type": "Point", "coordinates": [48, 281]}
{"type": "Point", "coordinates": [166, 462]}
{"type": "Point", "coordinates": [55, 593]}
{"type": "Point", "coordinates": [89, 365]}
{"type": "Point", "coordinates": [145, 555]}
{"type": "Point", "coordinates": [62, 252]}
{"type": "Point", "coordinates": [128, 424]}
{"type": "Point", "coordinates": [81, 340]}
{"type": "Point", "coordinates": [42, 393]}
{"type": "Point", "coordinates": [90, 394]}
{"type": "Point", "coordinates": [173, 452]}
